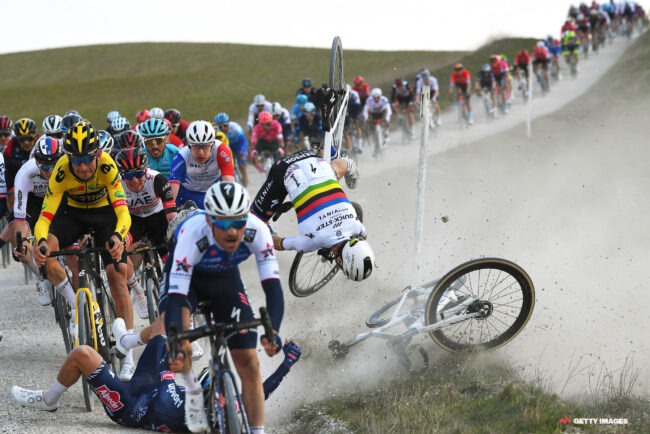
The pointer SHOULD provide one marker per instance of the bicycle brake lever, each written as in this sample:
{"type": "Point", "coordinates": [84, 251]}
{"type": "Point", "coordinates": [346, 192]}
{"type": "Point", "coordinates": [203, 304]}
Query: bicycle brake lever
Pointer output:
{"type": "Point", "coordinates": [266, 322]}
{"type": "Point", "coordinates": [43, 268]}
{"type": "Point", "coordinates": [116, 264]}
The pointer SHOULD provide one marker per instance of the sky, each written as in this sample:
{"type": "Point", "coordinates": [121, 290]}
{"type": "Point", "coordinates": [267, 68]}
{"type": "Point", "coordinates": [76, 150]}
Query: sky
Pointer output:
{"type": "Point", "coordinates": [361, 24]}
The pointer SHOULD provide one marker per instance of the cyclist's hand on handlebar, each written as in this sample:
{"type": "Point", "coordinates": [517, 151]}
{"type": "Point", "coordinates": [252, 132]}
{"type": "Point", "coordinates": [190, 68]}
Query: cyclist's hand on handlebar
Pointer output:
{"type": "Point", "coordinates": [272, 348]}
{"type": "Point", "coordinates": [39, 257]}
{"type": "Point", "coordinates": [178, 364]}
{"type": "Point", "coordinates": [117, 249]}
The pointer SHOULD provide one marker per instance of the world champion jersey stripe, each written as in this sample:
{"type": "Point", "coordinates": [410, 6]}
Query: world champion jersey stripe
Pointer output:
{"type": "Point", "coordinates": [314, 190]}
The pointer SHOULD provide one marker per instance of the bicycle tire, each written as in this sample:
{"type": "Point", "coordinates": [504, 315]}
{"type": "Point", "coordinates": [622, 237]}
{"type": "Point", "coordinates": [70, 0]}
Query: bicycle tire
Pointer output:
{"type": "Point", "coordinates": [326, 270]}
{"type": "Point", "coordinates": [358, 210]}
{"type": "Point", "coordinates": [153, 290]}
{"type": "Point", "coordinates": [514, 273]}
{"type": "Point", "coordinates": [234, 423]}
{"type": "Point", "coordinates": [108, 317]}
{"type": "Point", "coordinates": [379, 318]}
{"type": "Point", "coordinates": [85, 338]}
{"type": "Point", "coordinates": [61, 312]}
{"type": "Point", "coordinates": [336, 80]}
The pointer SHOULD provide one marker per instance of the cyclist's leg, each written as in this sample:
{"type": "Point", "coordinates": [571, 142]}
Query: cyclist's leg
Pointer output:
{"type": "Point", "coordinates": [57, 237]}
{"type": "Point", "coordinates": [240, 151]}
{"type": "Point", "coordinates": [184, 195]}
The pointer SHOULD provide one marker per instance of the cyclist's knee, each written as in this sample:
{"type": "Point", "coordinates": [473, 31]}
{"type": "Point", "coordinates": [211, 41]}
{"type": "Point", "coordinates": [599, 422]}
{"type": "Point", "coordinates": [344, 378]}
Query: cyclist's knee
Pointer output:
{"type": "Point", "coordinates": [246, 361]}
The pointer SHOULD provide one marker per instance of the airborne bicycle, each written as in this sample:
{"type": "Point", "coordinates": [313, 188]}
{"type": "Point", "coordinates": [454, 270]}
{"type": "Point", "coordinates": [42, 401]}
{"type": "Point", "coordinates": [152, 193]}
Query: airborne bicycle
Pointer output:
{"type": "Point", "coordinates": [480, 305]}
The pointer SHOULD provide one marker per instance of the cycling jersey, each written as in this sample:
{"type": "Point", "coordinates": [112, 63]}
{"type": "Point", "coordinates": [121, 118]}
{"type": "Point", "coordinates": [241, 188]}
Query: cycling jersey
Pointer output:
{"type": "Point", "coordinates": [377, 107]}
{"type": "Point", "coordinates": [155, 196]}
{"type": "Point", "coordinates": [460, 77]}
{"type": "Point", "coordinates": [325, 215]}
{"type": "Point", "coordinates": [296, 111]}
{"type": "Point", "coordinates": [500, 69]}
{"type": "Point", "coordinates": [238, 142]}
{"type": "Point", "coordinates": [198, 177]}
{"type": "Point", "coordinates": [432, 83]}
{"type": "Point", "coordinates": [272, 134]}
{"type": "Point", "coordinates": [176, 141]}
{"type": "Point", "coordinates": [402, 94]}
{"type": "Point", "coordinates": [363, 91]}
{"type": "Point", "coordinates": [540, 53]}
{"type": "Point", "coordinates": [151, 399]}
{"type": "Point", "coordinates": [164, 163]}
{"type": "Point", "coordinates": [310, 94]}
{"type": "Point", "coordinates": [485, 79]}
{"type": "Point", "coordinates": [15, 156]}
{"type": "Point", "coordinates": [310, 129]}
{"type": "Point", "coordinates": [29, 185]}
{"type": "Point", "coordinates": [523, 58]}
{"type": "Point", "coordinates": [553, 47]}
{"type": "Point", "coordinates": [102, 189]}
{"type": "Point", "coordinates": [354, 104]}
{"type": "Point", "coordinates": [253, 112]}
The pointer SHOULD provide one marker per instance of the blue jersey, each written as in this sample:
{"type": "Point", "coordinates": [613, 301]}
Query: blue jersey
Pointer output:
{"type": "Point", "coordinates": [295, 113]}
{"type": "Point", "coordinates": [164, 163]}
{"type": "Point", "coordinates": [309, 129]}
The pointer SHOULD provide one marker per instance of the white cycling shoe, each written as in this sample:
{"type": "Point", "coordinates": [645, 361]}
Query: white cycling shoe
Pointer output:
{"type": "Point", "coordinates": [119, 330]}
{"type": "Point", "coordinates": [141, 306]}
{"type": "Point", "coordinates": [31, 399]}
{"type": "Point", "coordinates": [44, 288]}
{"type": "Point", "coordinates": [195, 417]}
{"type": "Point", "coordinates": [197, 351]}
{"type": "Point", "coordinates": [352, 174]}
{"type": "Point", "coordinates": [126, 371]}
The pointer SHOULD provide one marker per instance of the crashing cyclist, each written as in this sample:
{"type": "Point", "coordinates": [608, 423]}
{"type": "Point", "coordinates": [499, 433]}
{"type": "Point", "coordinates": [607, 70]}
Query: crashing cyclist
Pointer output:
{"type": "Point", "coordinates": [401, 98]}
{"type": "Point", "coordinates": [460, 84]}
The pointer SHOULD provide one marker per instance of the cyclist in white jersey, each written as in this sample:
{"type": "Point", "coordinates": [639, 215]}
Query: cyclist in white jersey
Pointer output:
{"type": "Point", "coordinates": [326, 218]}
{"type": "Point", "coordinates": [30, 187]}
{"type": "Point", "coordinates": [427, 79]}
{"type": "Point", "coordinates": [378, 107]}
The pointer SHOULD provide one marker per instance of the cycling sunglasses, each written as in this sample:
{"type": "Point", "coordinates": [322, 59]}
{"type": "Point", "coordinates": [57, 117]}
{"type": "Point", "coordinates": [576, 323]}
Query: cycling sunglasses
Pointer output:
{"type": "Point", "coordinates": [224, 225]}
{"type": "Point", "coordinates": [46, 167]}
{"type": "Point", "coordinates": [5, 133]}
{"type": "Point", "coordinates": [201, 147]}
{"type": "Point", "coordinates": [23, 139]}
{"type": "Point", "coordinates": [222, 126]}
{"type": "Point", "coordinates": [86, 159]}
{"type": "Point", "coordinates": [130, 175]}
{"type": "Point", "coordinates": [154, 141]}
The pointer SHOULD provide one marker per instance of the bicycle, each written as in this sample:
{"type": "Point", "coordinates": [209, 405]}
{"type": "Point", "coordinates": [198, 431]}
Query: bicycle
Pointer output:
{"type": "Point", "coordinates": [402, 118]}
{"type": "Point", "coordinates": [226, 413]}
{"type": "Point", "coordinates": [571, 61]}
{"type": "Point", "coordinates": [94, 317]}
{"type": "Point", "coordinates": [490, 109]}
{"type": "Point", "coordinates": [480, 305]}
{"type": "Point", "coordinates": [501, 98]}
{"type": "Point", "coordinates": [151, 275]}
{"type": "Point", "coordinates": [310, 271]}
{"type": "Point", "coordinates": [462, 111]}
{"type": "Point", "coordinates": [521, 80]}
{"type": "Point", "coordinates": [541, 79]}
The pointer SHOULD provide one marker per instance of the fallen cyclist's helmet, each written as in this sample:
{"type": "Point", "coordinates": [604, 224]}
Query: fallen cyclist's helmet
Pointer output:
{"type": "Point", "coordinates": [357, 259]}
{"type": "Point", "coordinates": [200, 133]}
{"type": "Point", "coordinates": [226, 199]}
{"type": "Point", "coordinates": [81, 140]}
{"type": "Point", "coordinates": [375, 93]}
{"type": "Point", "coordinates": [47, 151]}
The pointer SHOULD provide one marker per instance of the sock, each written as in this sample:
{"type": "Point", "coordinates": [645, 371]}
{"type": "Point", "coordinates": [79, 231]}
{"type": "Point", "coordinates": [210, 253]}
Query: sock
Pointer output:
{"type": "Point", "coordinates": [65, 288]}
{"type": "Point", "coordinates": [257, 429]}
{"type": "Point", "coordinates": [131, 341]}
{"type": "Point", "coordinates": [134, 285]}
{"type": "Point", "coordinates": [191, 385]}
{"type": "Point", "coordinates": [129, 357]}
{"type": "Point", "coordinates": [52, 396]}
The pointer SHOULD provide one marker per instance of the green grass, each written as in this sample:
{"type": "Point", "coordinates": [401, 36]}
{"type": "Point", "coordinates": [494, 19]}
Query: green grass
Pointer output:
{"type": "Point", "coordinates": [198, 79]}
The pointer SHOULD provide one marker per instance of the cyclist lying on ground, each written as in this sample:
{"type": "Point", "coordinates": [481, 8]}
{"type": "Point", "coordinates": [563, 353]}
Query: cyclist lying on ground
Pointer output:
{"type": "Point", "coordinates": [326, 218]}
{"type": "Point", "coordinates": [151, 399]}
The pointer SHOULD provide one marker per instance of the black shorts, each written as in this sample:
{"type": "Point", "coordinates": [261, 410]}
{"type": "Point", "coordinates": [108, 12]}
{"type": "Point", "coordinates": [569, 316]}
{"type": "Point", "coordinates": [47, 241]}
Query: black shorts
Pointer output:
{"type": "Point", "coordinates": [32, 212]}
{"type": "Point", "coordinates": [153, 227]}
{"type": "Point", "coordinates": [542, 62]}
{"type": "Point", "coordinates": [464, 87]}
{"type": "Point", "coordinates": [264, 145]}
{"type": "Point", "coordinates": [523, 67]}
{"type": "Point", "coordinates": [354, 110]}
{"type": "Point", "coordinates": [229, 300]}
{"type": "Point", "coordinates": [70, 224]}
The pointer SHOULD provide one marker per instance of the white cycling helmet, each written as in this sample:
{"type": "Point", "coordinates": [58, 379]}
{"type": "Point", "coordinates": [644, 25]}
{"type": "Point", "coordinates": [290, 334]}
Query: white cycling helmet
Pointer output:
{"type": "Point", "coordinates": [200, 133]}
{"type": "Point", "coordinates": [309, 108]}
{"type": "Point", "coordinates": [112, 115]}
{"type": "Point", "coordinates": [259, 99]}
{"type": "Point", "coordinates": [52, 124]}
{"type": "Point", "coordinates": [540, 43]}
{"type": "Point", "coordinates": [358, 259]}
{"type": "Point", "coordinates": [375, 93]}
{"type": "Point", "coordinates": [157, 113]}
{"type": "Point", "coordinates": [226, 199]}
{"type": "Point", "coordinates": [276, 109]}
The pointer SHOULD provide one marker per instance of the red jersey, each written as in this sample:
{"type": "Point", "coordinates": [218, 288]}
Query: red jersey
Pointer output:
{"type": "Point", "coordinates": [461, 77]}
{"type": "Point", "coordinates": [499, 68]}
{"type": "Point", "coordinates": [523, 58]}
{"type": "Point", "coordinates": [270, 135]}
{"type": "Point", "coordinates": [363, 91]}
{"type": "Point", "coordinates": [176, 141]}
{"type": "Point", "coordinates": [568, 26]}
{"type": "Point", "coordinates": [540, 53]}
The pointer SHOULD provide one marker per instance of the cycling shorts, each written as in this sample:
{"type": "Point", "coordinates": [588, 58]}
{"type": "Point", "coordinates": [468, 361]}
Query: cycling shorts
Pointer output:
{"type": "Point", "coordinates": [264, 145]}
{"type": "Point", "coordinates": [524, 67]}
{"type": "Point", "coordinates": [380, 115]}
{"type": "Point", "coordinates": [70, 224]}
{"type": "Point", "coordinates": [33, 211]}
{"type": "Point", "coordinates": [184, 195]}
{"type": "Point", "coordinates": [151, 399]}
{"type": "Point", "coordinates": [571, 49]}
{"type": "Point", "coordinates": [240, 151]}
{"type": "Point", "coordinates": [229, 300]}
{"type": "Point", "coordinates": [355, 110]}
{"type": "Point", "coordinates": [543, 62]}
{"type": "Point", "coordinates": [153, 227]}
{"type": "Point", "coordinates": [406, 101]}
{"type": "Point", "coordinates": [464, 87]}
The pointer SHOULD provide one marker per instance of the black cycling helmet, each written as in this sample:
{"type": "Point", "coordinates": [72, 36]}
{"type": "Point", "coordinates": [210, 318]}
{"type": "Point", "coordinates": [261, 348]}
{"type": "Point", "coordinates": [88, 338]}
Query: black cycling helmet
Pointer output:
{"type": "Point", "coordinates": [81, 139]}
{"type": "Point", "coordinates": [68, 121]}
{"type": "Point", "coordinates": [48, 150]}
{"type": "Point", "coordinates": [306, 82]}
{"type": "Point", "coordinates": [129, 139]}
{"type": "Point", "coordinates": [25, 127]}
{"type": "Point", "coordinates": [131, 160]}
{"type": "Point", "coordinates": [173, 116]}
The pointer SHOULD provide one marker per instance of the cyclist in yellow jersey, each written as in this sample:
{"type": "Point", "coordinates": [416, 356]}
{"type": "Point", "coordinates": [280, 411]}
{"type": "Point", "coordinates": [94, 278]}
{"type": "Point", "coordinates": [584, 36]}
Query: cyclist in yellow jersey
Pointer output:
{"type": "Point", "coordinates": [85, 192]}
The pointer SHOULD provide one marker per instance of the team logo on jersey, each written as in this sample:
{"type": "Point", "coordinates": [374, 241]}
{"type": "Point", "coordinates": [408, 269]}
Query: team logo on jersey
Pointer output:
{"type": "Point", "coordinates": [163, 428]}
{"type": "Point", "coordinates": [120, 194]}
{"type": "Point", "coordinates": [249, 235]}
{"type": "Point", "coordinates": [105, 168]}
{"type": "Point", "coordinates": [202, 244]}
{"type": "Point", "coordinates": [109, 398]}
{"type": "Point", "coordinates": [268, 251]}
{"type": "Point", "coordinates": [59, 176]}
{"type": "Point", "coordinates": [183, 265]}
{"type": "Point", "coordinates": [167, 375]}
{"type": "Point", "coordinates": [213, 252]}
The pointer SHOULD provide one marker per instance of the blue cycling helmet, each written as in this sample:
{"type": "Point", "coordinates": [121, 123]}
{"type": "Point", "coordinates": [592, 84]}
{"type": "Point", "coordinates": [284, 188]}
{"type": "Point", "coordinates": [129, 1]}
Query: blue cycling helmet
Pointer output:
{"type": "Point", "coordinates": [221, 118]}
{"type": "Point", "coordinates": [106, 141]}
{"type": "Point", "coordinates": [306, 82]}
{"type": "Point", "coordinates": [486, 67]}
{"type": "Point", "coordinates": [310, 107]}
{"type": "Point", "coordinates": [301, 100]}
{"type": "Point", "coordinates": [153, 127]}
{"type": "Point", "coordinates": [112, 115]}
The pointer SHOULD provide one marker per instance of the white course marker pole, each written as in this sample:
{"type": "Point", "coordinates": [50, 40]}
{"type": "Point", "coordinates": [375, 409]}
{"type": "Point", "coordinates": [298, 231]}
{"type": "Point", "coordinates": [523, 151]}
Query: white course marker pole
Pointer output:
{"type": "Point", "coordinates": [529, 107]}
{"type": "Point", "coordinates": [425, 116]}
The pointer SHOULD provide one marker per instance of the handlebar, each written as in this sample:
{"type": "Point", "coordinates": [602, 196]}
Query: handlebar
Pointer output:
{"type": "Point", "coordinates": [81, 251]}
{"type": "Point", "coordinates": [174, 336]}
{"type": "Point", "coordinates": [116, 264]}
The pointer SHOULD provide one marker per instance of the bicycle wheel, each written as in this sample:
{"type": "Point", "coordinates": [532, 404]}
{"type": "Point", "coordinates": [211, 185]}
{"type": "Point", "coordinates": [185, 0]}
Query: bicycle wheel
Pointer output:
{"type": "Point", "coordinates": [61, 308]}
{"type": "Point", "coordinates": [310, 272]}
{"type": "Point", "coordinates": [501, 291]}
{"type": "Point", "coordinates": [358, 210]}
{"type": "Point", "coordinates": [104, 328]}
{"type": "Point", "coordinates": [234, 422]}
{"type": "Point", "coordinates": [336, 80]}
{"type": "Point", "coordinates": [152, 289]}
{"type": "Point", "coordinates": [85, 330]}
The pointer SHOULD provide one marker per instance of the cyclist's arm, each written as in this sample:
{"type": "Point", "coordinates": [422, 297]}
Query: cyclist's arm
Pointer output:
{"type": "Point", "coordinates": [163, 190]}
{"type": "Point", "coordinates": [255, 135]}
{"type": "Point", "coordinates": [251, 119]}
{"type": "Point", "coordinates": [271, 194]}
{"type": "Point", "coordinates": [299, 243]}
{"type": "Point", "coordinates": [267, 267]}
{"type": "Point", "coordinates": [51, 202]}
{"type": "Point", "coordinates": [22, 187]}
{"type": "Point", "coordinates": [177, 174]}
{"type": "Point", "coordinates": [226, 165]}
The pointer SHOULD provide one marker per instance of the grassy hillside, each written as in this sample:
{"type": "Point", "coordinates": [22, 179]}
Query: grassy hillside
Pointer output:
{"type": "Point", "coordinates": [198, 79]}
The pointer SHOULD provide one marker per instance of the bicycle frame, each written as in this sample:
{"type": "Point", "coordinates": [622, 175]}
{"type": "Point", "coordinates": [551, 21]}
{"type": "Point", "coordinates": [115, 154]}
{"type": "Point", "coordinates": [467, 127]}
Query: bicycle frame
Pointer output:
{"type": "Point", "coordinates": [335, 138]}
{"type": "Point", "coordinates": [90, 311]}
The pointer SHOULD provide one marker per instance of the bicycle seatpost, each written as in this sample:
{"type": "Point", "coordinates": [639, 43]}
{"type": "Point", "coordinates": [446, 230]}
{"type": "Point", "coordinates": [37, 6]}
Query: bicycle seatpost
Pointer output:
{"type": "Point", "coordinates": [116, 264]}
